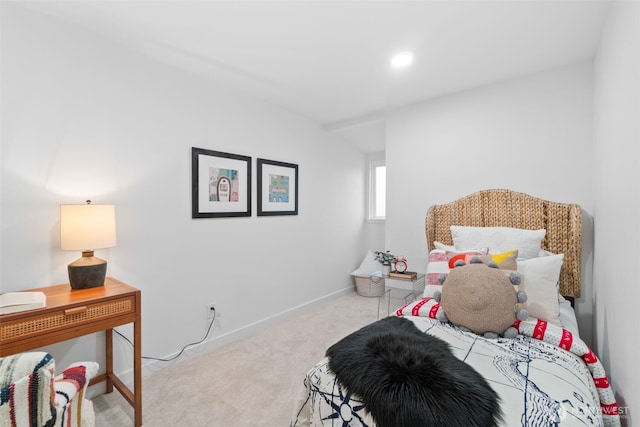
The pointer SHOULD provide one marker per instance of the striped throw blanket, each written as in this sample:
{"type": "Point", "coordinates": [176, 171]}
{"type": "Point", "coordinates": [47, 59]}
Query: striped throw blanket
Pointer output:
{"type": "Point", "coordinates": [26, 397]}
{"type": "Point", "coordinates": [31, 395]}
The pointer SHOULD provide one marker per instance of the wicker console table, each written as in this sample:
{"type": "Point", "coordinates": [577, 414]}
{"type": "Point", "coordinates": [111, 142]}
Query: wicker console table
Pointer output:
{"type": "Point", "coordinates": [71, 313]}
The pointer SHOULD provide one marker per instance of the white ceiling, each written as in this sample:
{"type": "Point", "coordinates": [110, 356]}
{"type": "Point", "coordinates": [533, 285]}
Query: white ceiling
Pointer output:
{"type": "Point", "coordinates": [329, 60]}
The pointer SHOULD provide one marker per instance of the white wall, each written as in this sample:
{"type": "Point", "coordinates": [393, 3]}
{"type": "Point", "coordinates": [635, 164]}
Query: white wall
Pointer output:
{"type": "Point", "coordinates": [84, 117]}
{"type": "Point", "coordinates": [617, 202]}
{"type": "Point", "coordinates": [532, 135]}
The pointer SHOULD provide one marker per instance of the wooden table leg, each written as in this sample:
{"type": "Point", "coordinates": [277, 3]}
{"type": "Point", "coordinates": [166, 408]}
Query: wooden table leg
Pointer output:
{"type": "Point", "coordinates": [109, 340]}
{"type": "Point", "coordinates": [137, 370]}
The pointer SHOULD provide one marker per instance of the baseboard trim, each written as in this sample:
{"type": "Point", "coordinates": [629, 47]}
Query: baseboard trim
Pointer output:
{"type": "Point", "coordinates": [153, 366]}
{"type": "Point", "coordinates": [267, 321]}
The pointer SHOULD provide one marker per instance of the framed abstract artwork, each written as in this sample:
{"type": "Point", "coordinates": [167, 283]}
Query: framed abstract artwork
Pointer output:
{"type": "Point", "coordinates": [220, 184]}
{"type": "Point", "coordinates": [277, 188]}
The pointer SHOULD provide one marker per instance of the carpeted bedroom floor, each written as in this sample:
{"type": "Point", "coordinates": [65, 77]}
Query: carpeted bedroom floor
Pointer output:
{"type": "Point", "coordinates": [254, 381]}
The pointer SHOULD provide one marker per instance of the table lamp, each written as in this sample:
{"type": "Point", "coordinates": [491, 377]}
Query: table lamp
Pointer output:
{"type": "Point", "coordinates": [85, 228]}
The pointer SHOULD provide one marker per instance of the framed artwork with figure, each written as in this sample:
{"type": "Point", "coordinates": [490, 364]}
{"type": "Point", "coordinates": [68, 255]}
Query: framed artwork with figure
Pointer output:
{"type": "Point", "coordinates": [220, 184]}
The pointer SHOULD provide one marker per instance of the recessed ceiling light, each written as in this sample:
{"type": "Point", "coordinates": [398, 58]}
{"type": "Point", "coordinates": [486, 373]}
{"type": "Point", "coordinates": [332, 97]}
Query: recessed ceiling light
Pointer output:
{"type": "Point", "coordinates": [403, 59]}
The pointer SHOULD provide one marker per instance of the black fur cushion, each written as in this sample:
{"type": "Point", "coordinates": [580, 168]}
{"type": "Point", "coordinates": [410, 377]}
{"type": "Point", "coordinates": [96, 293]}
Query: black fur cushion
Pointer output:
{"type": "Point", "coordinates": [407, 378]}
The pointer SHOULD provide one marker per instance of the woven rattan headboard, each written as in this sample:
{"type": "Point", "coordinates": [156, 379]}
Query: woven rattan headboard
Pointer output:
{"type": "Point", "coordinates": [506, 208]}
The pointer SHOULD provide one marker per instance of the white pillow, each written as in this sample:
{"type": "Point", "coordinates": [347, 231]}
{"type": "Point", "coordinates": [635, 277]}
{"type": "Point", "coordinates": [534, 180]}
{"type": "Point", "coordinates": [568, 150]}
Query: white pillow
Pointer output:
{"type": "Point", "coordinates": [443, 247]}
{"type": "Point", "coordinates": [450, 248]}
{"type": "Point", "coordinates": [367, 267]}
{"type": "Point", "coordinates": [539, 280]}
{"type": "Point", "coordinates": [430, 290]}
{"type": "Point", "coordinates": [499, 239]}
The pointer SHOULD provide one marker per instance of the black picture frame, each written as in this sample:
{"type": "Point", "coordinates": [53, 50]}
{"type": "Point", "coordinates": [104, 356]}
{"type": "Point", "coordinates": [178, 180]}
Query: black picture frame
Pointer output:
{"type": "Point", "coordinates": [277, 188]}
{"type": "Point", "coordinates": [220, 184]}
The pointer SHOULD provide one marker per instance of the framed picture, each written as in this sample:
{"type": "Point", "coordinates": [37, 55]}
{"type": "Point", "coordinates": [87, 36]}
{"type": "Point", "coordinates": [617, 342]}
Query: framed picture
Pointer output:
{"type": "Point", "coordinates": [220, 184]}
{"type": "Point", "coordinates": [277, 188]}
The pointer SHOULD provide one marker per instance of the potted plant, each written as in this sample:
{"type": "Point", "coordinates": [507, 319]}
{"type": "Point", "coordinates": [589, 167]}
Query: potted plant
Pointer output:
{"type": "Point", "coordinates": [385, 258]}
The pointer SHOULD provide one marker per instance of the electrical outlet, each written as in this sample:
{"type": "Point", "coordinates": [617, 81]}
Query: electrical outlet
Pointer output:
{"type": "Point", "coordinates": [211, 310]}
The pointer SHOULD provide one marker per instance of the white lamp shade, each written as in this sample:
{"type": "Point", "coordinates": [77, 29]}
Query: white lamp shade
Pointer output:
{"type": "Point", "coordinates": [87, 227]}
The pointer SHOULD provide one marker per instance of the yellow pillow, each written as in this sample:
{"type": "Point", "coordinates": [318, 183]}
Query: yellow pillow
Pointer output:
{"type": "Point", "coordinates": [505, 260]}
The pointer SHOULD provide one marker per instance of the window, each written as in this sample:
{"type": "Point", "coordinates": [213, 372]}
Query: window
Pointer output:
{"type": "Point", "coordinates": [377, 190]}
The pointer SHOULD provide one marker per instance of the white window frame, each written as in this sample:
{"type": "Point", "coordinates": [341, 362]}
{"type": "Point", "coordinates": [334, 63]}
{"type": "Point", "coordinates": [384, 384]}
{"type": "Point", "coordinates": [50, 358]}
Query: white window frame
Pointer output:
{"type": "Point", "coordinates": [373, 190]}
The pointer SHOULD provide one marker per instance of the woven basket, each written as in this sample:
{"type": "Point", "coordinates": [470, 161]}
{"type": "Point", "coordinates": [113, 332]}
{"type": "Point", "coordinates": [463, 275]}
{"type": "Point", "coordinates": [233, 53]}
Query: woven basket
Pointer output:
{"type": "Point", "coordinates": [369, 286]}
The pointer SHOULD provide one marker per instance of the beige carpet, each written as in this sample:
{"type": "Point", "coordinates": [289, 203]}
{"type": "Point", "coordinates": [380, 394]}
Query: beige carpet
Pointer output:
{"type": "Point", "coordinates": [254, 381]}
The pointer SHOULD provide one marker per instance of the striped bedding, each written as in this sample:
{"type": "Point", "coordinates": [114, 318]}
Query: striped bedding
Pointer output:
{"type": "Point", "coordinates": [545, 377]}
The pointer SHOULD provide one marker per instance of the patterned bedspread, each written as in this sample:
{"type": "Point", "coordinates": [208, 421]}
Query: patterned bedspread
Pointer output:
{"type": "Point", "coordinates": [545, 377]}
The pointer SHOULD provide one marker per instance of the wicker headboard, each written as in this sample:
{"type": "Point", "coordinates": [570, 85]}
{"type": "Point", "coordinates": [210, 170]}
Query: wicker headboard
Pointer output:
{"type": "Point", "coordinates": [506, 208]}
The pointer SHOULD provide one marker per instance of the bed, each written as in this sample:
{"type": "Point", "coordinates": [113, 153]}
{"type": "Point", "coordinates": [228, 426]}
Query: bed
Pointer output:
{"type": "Point", "coordinates": [546, 376]}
